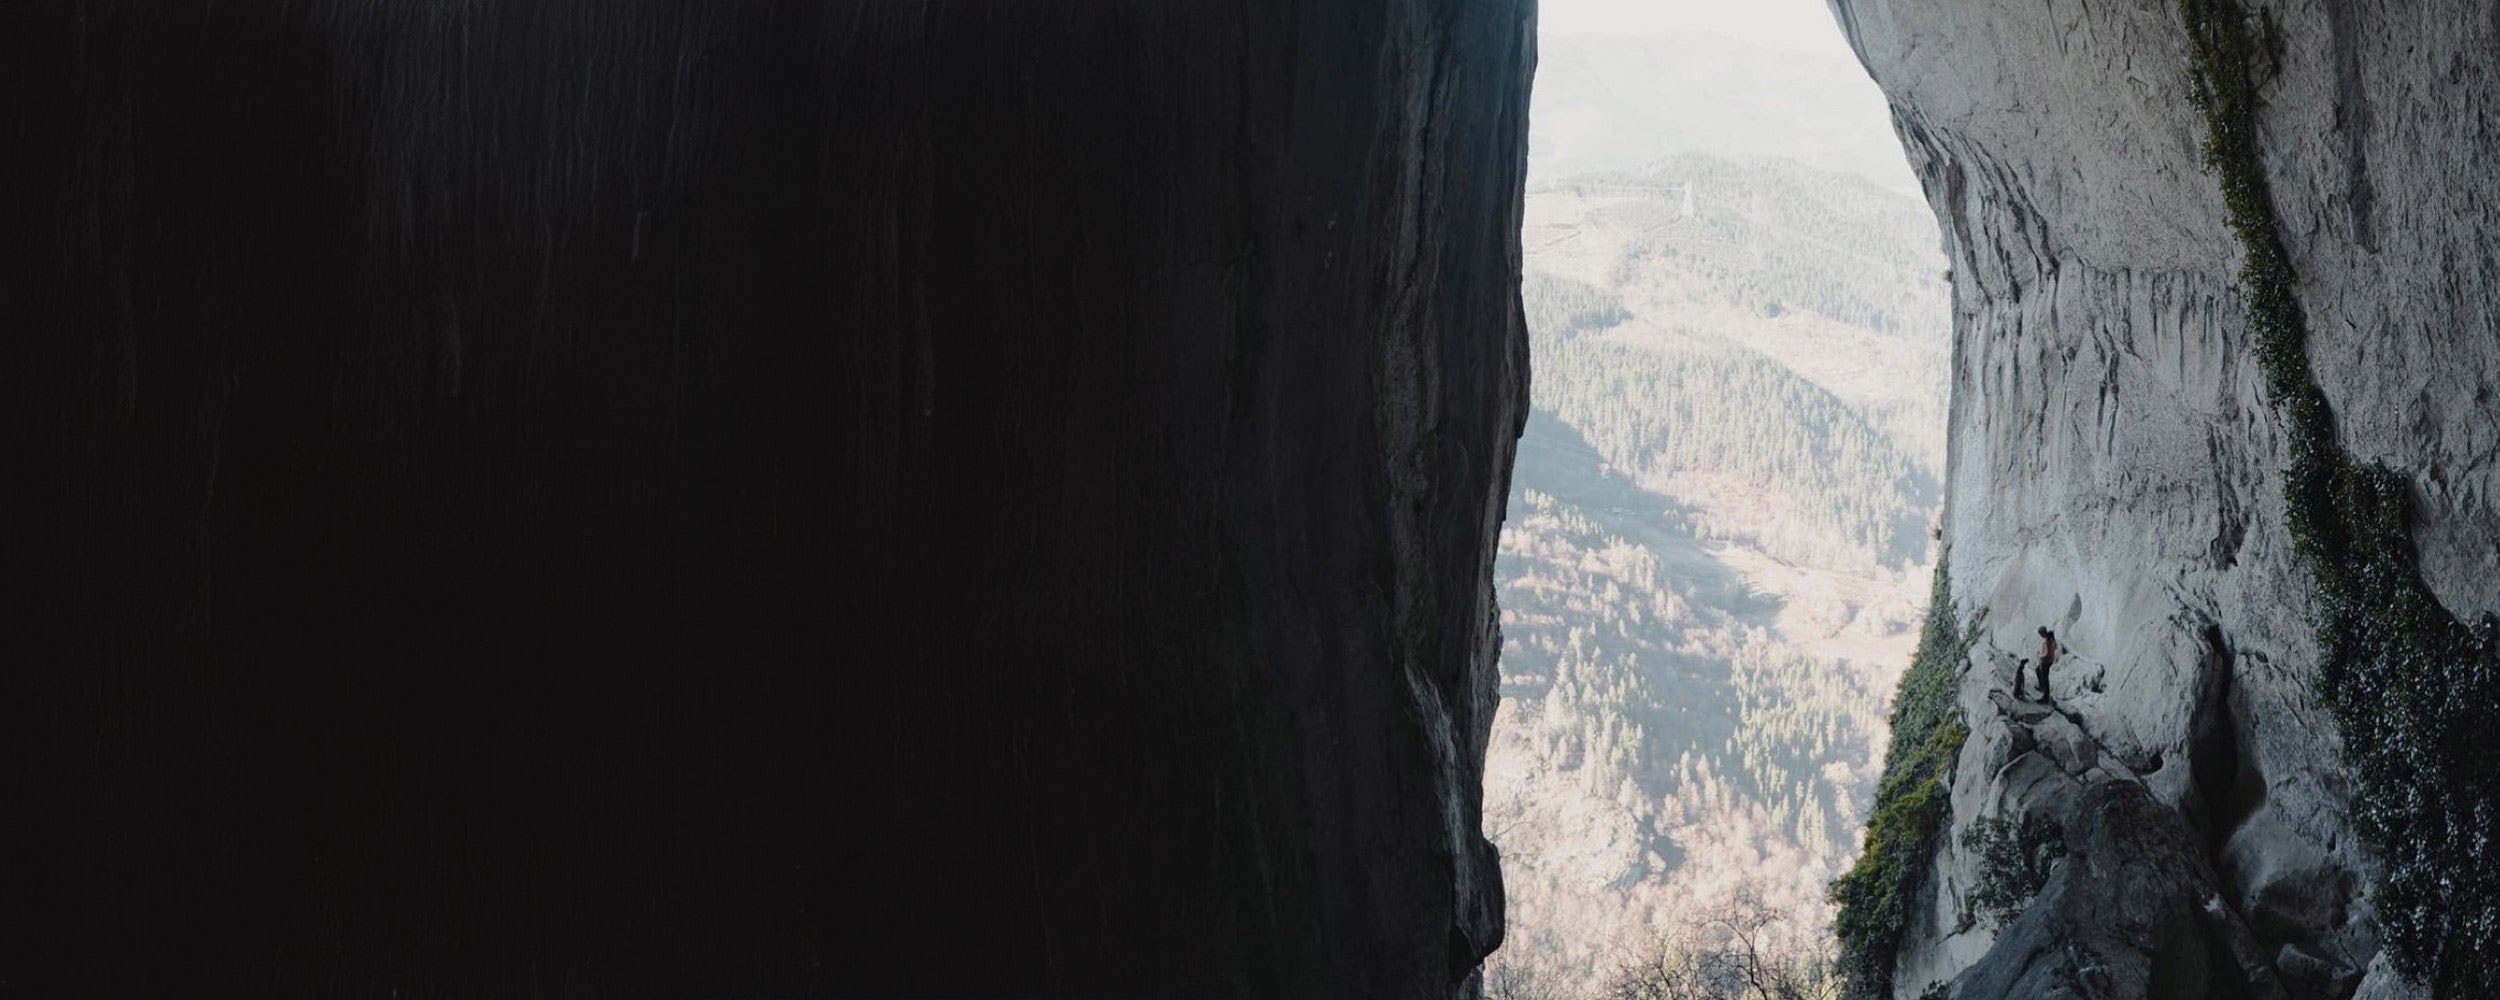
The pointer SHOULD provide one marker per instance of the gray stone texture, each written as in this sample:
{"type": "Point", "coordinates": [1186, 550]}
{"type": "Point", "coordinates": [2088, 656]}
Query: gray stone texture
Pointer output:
{"type": "Point", "coordinates": [2115, 471]}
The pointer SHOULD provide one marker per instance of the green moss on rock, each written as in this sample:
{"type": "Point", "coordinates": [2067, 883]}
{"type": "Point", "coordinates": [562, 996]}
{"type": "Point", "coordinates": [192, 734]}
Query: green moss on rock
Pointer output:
{"type": "Point", "coordinates": [2412, 688]}
{"type": "Point", "coordinates": [1913, 803]}
{"type": "Point", "coordinates": [2014, 861]}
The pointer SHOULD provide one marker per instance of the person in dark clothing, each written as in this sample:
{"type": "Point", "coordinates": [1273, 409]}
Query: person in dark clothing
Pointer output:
{"type": "Point", "coordinates": [2048, 655]}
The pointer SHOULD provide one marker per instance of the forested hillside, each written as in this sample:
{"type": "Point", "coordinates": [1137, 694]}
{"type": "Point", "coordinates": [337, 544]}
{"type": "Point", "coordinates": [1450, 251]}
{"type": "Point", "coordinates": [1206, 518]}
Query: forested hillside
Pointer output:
{"type": "Point", "coordinates": [1716, 549]}
{"type": "Point", "coordinates": [1833, 277]}
{"type": "Point", "coordinates": [1773, 235]}
{"type": "Point", "coordinates": [1829, 479]}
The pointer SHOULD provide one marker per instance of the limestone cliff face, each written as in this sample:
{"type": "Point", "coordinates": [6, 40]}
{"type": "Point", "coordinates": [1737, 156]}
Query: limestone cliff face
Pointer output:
{"type": "Point", "coordinates": [2116, 470]}
{"type": "Point", "coordinates": [791, 498]}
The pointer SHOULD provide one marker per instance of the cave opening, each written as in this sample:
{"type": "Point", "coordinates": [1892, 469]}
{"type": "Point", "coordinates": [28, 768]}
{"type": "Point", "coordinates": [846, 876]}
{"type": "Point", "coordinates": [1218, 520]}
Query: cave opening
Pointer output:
{"type": "Point", "coordinates": [592, 498]}
{"type": "Point", "coordinates": [1723, 518]}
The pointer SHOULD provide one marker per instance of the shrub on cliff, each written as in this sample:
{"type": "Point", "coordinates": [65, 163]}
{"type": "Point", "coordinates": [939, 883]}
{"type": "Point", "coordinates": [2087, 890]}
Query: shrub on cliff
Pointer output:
{"type": "Point", "coordinates": [2014, 862]}
{"type": "Point", "coordinates": [1913, 803]}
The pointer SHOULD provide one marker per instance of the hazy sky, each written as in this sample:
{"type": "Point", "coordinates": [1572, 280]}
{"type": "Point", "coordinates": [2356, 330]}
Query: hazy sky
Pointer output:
{"type": "Point", "coordinates": [1621, 83]}
{"type": "Point", "coordinates": [1801, 25]}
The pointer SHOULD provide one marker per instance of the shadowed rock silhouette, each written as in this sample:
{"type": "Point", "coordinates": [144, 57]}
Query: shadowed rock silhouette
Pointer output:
{"type": "Point", "coordinates": [646, 498]}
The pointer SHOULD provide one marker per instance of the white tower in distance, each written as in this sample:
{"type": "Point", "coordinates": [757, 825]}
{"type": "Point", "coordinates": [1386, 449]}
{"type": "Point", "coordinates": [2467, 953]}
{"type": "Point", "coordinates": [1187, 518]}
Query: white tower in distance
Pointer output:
{"type": "Point", "coordinates": [1688, 199]}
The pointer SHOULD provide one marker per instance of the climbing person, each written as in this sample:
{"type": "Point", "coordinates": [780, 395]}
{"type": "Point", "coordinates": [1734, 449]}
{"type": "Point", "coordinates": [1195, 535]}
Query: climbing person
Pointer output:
{"type": "Point", "coordinates": [2048, 655]}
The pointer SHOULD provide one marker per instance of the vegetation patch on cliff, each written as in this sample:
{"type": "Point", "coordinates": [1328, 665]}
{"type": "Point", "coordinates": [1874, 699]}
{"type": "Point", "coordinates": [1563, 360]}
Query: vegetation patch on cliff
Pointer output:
{"type": "Point", "coordinates": [1913, 802]}
{"type": "Point", "coordinates": [2014, 864]}
{"type": "Point", "coordinates": [2410, 686]}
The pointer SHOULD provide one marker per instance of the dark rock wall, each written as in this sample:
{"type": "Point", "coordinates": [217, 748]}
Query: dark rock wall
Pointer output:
{"type": "Point", "coordinates": [750, 498]}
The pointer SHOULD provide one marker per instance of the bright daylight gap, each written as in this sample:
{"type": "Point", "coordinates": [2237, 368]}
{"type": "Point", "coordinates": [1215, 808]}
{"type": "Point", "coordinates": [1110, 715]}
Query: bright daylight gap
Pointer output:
{"type": "Point", "coordinates": [1718, 548]}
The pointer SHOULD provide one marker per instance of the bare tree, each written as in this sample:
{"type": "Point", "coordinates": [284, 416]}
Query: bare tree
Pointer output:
{"type": "Point", "coordinates": [1671, 972]}
{"type": "Point", "coordinates": [1771, 964]}
{"type": "Point", "coordinates": [1509, 976]}
{"type": "Point", "coordinates": [1743, 949]}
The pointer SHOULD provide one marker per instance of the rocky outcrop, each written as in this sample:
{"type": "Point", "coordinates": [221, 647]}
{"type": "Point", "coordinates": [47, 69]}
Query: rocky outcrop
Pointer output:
{"type": "Point", "coordinates": [2118, 466]}
{"type": "Point", "coordinates": [2130, 905]}
{"type": "Point", "coordinates": [625, 497]}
